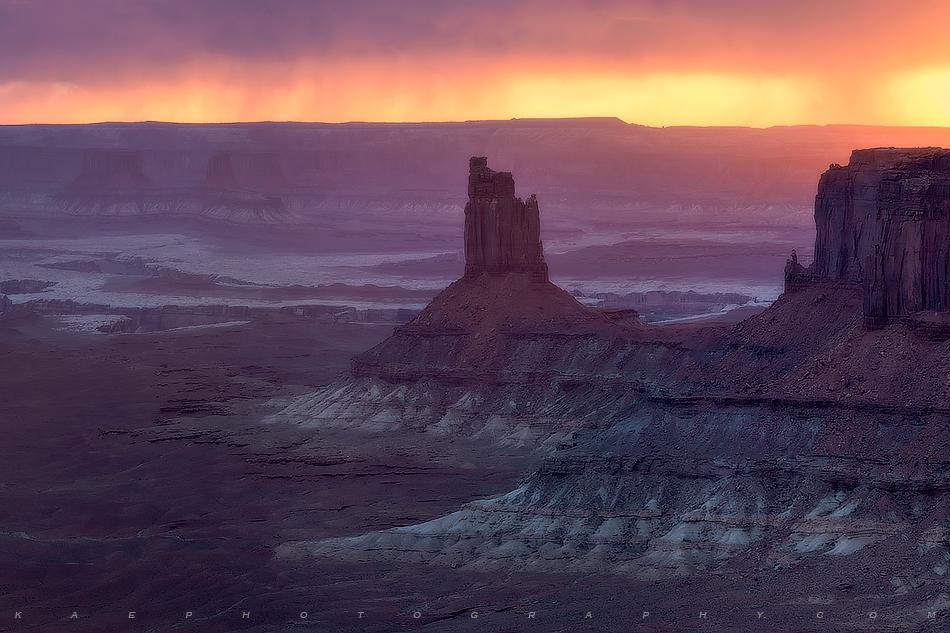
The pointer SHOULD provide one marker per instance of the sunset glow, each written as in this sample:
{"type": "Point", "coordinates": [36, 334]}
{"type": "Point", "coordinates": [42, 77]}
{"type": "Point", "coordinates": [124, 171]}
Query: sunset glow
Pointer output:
{"type": "Point", "coordinates": [667, 63]}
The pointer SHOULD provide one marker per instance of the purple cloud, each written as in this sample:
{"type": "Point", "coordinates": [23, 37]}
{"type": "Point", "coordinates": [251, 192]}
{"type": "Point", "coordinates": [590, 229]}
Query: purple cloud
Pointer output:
{"type": "Point", "coordinates": [74, 40]}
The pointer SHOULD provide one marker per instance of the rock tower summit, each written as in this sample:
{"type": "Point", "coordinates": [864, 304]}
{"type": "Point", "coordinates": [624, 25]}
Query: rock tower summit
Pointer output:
{"type": "Point", "coordinates": [502, 231]}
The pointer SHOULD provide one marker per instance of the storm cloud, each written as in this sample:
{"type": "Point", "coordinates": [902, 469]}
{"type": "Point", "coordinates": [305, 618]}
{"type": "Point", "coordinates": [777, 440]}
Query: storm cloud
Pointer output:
{"type": "Point", "coordinates": [57, 47]}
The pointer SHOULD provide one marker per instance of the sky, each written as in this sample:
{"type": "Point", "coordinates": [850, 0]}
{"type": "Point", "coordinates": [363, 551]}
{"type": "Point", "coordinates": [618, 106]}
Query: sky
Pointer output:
{"type": "Point", "coordinates": [651, 62]}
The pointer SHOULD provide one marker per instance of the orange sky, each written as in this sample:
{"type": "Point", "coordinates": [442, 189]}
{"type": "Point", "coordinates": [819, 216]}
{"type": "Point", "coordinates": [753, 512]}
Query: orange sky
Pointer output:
{"type": "Point", "coordinates": [653, 62]}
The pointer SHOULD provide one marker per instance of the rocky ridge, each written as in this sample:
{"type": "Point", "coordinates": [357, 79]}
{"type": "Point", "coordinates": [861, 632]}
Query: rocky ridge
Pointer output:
{"type": "Point", "coordinates": [113, 185]}
{"type": "Point", "coordinates": [798, 436]}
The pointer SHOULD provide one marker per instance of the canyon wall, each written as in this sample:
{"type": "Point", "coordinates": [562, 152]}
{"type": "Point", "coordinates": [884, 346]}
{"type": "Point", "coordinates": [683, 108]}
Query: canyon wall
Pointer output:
{"type": "Point", "coordinates": [113, 185]}
{"type": "Point", "coordinates": [221, 175]}
{"type": "Point", "coordinates": [796, 444]}
{"type": "Point", "coordinates": [883, 221]}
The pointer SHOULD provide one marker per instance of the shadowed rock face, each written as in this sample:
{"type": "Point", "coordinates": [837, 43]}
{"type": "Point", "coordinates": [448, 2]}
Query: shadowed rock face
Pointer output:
{"type": "Point", "coordinates": [502, 231]}
{"type": "Point", "coordinates": [264, 174]}
{"type": "Point", "coordinates": [221, 175]}
{"type": "Point", "coordinates": [112, 170]}
{"type": "Point", "coordinates": [113, 185]}
{"type": "Point", "coordinates": [795, 440]}
{"type": "Point", "coordinates": [479, 325]}
{"type": "Point", "coordinates": [884, 221]}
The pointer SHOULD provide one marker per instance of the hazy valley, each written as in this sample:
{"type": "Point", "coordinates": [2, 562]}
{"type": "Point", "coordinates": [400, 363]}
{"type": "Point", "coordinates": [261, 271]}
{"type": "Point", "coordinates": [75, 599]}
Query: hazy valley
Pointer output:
{"type": "Point", "coordinates": [650, 430]}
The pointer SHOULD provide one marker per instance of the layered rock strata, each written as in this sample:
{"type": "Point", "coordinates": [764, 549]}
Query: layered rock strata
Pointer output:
{"type": "Point", "coordinates": [789, 438]}
{"type": "Point", "coordinates": [221, 175]}
{"type": "Point", "coordinates": [797, 437]}
{"type": "Point", "coordinates": [110, 171]}
{"type": "Point", "coordinates": [502, 231]}
{"type": "Point", "coordinates": [113, 186]}
{"type": "Point", "coordinates": [883, 221]}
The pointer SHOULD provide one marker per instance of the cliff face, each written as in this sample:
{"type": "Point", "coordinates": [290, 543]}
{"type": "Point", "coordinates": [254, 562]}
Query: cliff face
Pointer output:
{"type": "Point", "coordinates": [264, 174]}
{"type": "Point", "coordinates": [884, 221]}
{"type": "Point", "coordinates": [502, 232]}
{"type": "Point", "coordinates": [221, 175]}
{"type": "Point", "coordinates": [110, 171]}
{"type": "Point", "coordinates": [796, 440]}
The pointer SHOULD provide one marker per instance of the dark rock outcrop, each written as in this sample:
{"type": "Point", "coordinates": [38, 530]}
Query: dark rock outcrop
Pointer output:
{"type": "Point", "coordinates": [797, 276]}
{"type": "Point", "coordinates": [884, 221]}
{"type": "Point", "coordinates": [502, 231]}
{"type": "Point", "coordinates": [111, 171]}
{"type": "Point", "coordinates": [476, 326]}
{"type": "Point", "coordinates": [221, 175]}
{"type": "Point", "coordinates": [264, 174]}
{"type": "Point", "coordinates": [795, 439]}
{"type": "Point", "coordinates": [24, 286]}
{"type": "Point", "coordinates": [112, 185]}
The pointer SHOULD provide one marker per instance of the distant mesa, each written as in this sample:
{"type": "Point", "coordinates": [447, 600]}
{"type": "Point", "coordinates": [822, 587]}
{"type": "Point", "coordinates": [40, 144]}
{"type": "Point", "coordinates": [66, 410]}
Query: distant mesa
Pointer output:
{"type": "Point", "coordinates": [225, 199]}
{"type": "Point", "coordinates": [883, 221]}
{"type": "Point", "coordinates": [265, 174]}
{"type": "Point", "coordinates": [113, 185]}
{"type": "Point", "coordinates": [111, 170]}
{"type": "Point", "coordinates": [262, 174]}
{"type": "Point", "coordinates": [221, 175]}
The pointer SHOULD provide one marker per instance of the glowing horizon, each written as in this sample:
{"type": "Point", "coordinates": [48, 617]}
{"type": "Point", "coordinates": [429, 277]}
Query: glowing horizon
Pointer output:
{"type": "Point", "coordinates": [652, 63]}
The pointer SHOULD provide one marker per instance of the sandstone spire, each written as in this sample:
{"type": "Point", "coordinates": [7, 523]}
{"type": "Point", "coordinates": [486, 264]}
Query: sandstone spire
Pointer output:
{"type": "Point", "coordinates": [502, 231]}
